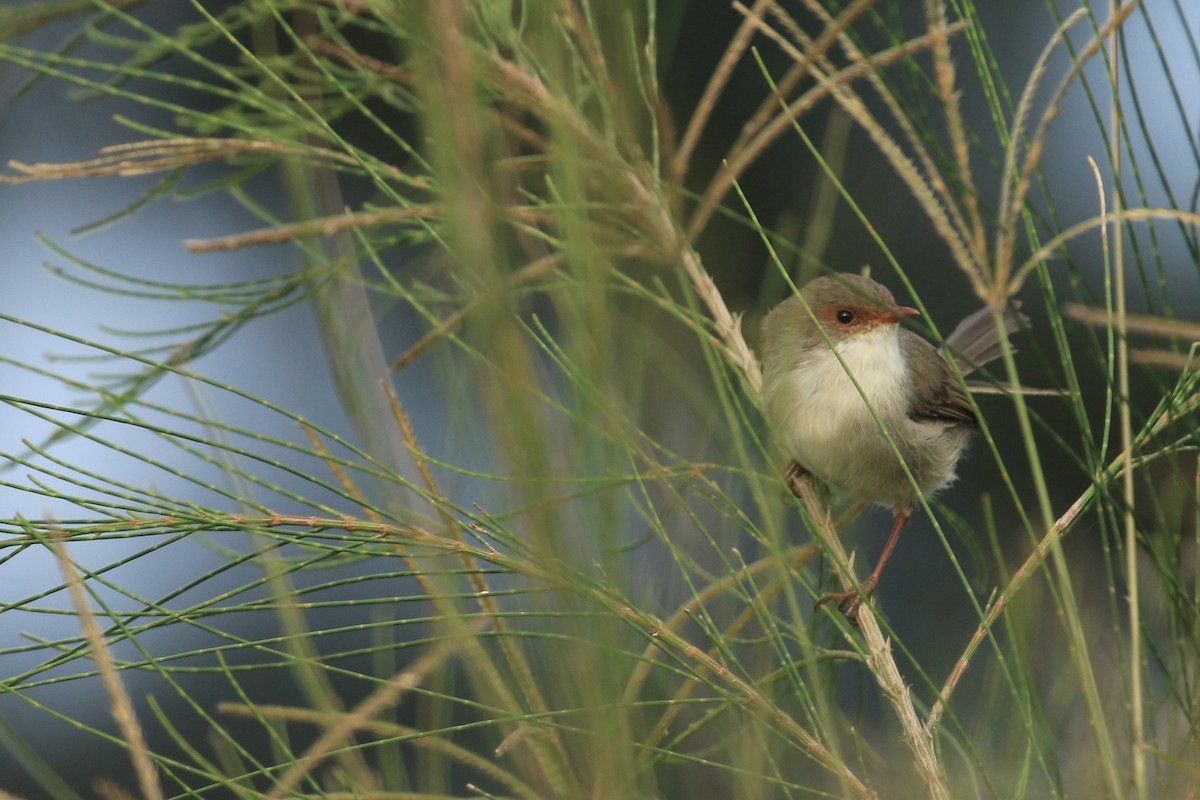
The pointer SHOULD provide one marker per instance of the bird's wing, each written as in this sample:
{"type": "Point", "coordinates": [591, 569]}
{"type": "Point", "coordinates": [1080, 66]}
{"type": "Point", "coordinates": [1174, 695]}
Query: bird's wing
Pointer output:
{"type": "Point", "coordinates": [936, 392]}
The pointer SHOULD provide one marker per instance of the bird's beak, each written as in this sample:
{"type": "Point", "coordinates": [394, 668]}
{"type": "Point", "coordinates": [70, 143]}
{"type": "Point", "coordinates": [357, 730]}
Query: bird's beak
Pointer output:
{"type": "Point", "coordinates": [899, 311]}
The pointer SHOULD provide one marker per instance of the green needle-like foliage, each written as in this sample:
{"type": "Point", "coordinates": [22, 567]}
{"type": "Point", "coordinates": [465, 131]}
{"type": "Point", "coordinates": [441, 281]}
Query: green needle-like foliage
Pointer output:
{"type": "Point", "coordinates": [583, 576]}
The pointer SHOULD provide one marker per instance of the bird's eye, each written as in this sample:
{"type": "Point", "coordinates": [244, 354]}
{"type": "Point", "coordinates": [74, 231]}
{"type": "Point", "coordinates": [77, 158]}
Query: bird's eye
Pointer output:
{"type": "Point", "coordinates": [845, 316]}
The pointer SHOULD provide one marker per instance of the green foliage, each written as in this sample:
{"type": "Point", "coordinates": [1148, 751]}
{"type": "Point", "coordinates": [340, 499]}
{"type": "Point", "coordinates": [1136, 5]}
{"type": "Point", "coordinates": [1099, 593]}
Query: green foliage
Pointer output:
{"type": "Point", "coordinates": [591, 585]}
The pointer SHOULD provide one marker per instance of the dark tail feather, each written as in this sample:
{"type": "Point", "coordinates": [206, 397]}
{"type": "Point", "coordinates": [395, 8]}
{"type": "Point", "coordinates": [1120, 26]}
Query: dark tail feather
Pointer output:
{"type": "Point", "coordinates": [976, 341]}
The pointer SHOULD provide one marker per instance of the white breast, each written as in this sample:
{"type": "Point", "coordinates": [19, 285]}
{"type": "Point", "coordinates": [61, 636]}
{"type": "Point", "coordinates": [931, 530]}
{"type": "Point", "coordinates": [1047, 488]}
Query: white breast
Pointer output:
{"type": "Point", "coordinates": [824, 424]}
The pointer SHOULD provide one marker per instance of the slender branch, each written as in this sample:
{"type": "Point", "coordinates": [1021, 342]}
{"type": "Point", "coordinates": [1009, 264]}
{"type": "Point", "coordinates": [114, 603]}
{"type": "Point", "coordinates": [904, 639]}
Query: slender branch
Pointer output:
{"type": "Point", "coordinates": [1136, 323]}
{"type": "Point", "coordinates": [744, 154]}
{"type": "Point", "coordinates": [945, 78]}
{"type": "Point", "coordinates": [716, 84]}
{"type": "Point", "coordinates": [880, 661]}
{"type": "Point", "coordinates": [122, 705]}
{"type": "Point", "coordinates": [945, 218]}
{"type": "Point", "coordinates": [385, 697]}
{"type": "Point", "coordinates": [1007, 232]}
{"type": "Point", "coordinates": [325, 226]}
{"type": "Point", "coordinates": [1125, 215]}
{"type": "Point", "coordinates": [1038, 556]}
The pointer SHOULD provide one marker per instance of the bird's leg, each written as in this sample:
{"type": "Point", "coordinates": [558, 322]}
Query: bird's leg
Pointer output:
{"type": "Point", "coordinates": [792, 476]}
{"type": "Point", "coordinates": [851, 600]}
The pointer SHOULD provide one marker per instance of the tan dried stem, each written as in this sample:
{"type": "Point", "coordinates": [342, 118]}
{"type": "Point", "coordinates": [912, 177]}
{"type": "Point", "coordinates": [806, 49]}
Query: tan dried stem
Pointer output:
{"type": "Point", "coordinates": [341, 728]}
{"type": "Point", "coordinates": [712, 91]}
{"type": "Point", "coordinates": [758, 136]}
{"type": "Point", "coordinates": [1188, 362]}
{"type": "Point", "coordinates": [108, 790]}
{"type": "Point", "coordinates": [339, 473]}
{"type": "Point", "coordinates": [1136, 323]}
{"type": "Point", "coordinates": [159, 155]}
{"type": "Point", "coordinates": [574, 23]}
{"type": "Point", "coordinates": [880, 660]}
{"type": "Point", "coordinates": [324, 226]}
{"type": "Point", "coordinates": [1020, 120]}
{"type": "Point", "coordinates": [945, 217]}
{"type": "Point", "coordinates": [946, 82]}
{"type": "Point", "coordinates": [1125, 215]}
{"type": "Point", "coordinates": [814, 55]}
{"type": "Point", "coordinates": [121, 704]}
{"type": "Point", "coordinates": [552, 765]}
{"type": "Point", "coordinates": [414, 738]}
{"type": "Point", "coordinates": [1007, 279]}
{"type": "Point", "coordinates": [928, 169]}
{"type": "Point", "coordinates": [383, 69]}
{"type": "Point", "coordinates": [728, 325]}
{"type": "Point", "coordinates": [1039, 555]}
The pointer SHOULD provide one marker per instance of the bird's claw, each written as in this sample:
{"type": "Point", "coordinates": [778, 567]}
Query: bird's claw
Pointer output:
{"type": "Point", "coordinates": [792, 476]}
{"type": "Point", "coordinates": [850, 601]}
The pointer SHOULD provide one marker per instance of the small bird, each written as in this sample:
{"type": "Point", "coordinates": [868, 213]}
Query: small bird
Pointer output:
{"type": "Point", "coordinates": [825, 426]}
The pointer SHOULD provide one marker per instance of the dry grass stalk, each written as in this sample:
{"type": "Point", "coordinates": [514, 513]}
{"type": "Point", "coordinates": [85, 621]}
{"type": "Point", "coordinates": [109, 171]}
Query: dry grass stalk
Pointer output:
{"type": "Point", "coordinates": [157, 155]}
{"type": "Point", "coordinates": [339, 473]}
{"type": "Point", "coordinates": [325, 226]}
{"type": "Point", "coordinates": [307, 716]}
{"type": "Point", "coordinates": [944, 216]}
{"type": "Point", "coordinates": [880, 661]}
{"type": "Point", "coordinates": [929, 169]}
{"type": "Point", "coordinates": [1020, 124]}
{"type": "Point", "coordinates": [1136, 323]}
{"type": "Point", "coordinates": [814, 56]}
{"type": "Point", "coordinates": [945, 80]}
{"type": "Point", "coordinates": [1185, 362]}
{"type": "Point", "coordinates": [712, 91]}
{"type": "Point", "coordinates": [389, 695]}
{"type": "Point", "coordinates": [1052, 245]}
{"type": "Point", "coordinates": [383, 69]}
{"type": "Point", "coordinates": [551, 764]}
{"type": "Point", "coordinates": [756, 138]}
{"type": "Point", "coordinates": [1005, 279]}
{"type": "Point", "coordinates": [121, 704]}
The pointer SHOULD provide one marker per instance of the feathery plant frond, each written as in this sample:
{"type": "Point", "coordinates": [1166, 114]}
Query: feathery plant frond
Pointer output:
{"type": "Point", "coordinates": [553, 559]}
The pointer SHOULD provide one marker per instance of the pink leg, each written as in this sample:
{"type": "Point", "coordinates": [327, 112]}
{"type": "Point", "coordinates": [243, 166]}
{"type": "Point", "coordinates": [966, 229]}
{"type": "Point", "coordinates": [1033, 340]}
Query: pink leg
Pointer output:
{"type": "Point", "coordinates": [850, 601]}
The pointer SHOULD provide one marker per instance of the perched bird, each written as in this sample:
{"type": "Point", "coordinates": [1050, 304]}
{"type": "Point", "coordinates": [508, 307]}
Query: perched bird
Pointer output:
{"type": "Point", "coordinates": [826, 427]}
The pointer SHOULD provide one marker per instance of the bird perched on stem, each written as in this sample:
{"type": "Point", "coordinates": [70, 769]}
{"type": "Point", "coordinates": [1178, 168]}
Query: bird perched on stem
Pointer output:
{"type": "Point", "coordinates": [855, 399]}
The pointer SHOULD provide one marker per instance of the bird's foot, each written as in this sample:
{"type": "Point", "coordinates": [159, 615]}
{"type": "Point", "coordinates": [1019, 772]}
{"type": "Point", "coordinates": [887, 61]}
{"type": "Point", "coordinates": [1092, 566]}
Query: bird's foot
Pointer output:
{"type": "Point", "coordinates": [849, 602]}
{"type": "Point", "coordinates": [792, 476]}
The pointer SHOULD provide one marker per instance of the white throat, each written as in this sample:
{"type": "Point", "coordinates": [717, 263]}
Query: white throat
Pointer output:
{"type": "Point", "coordinates": [817, 398]}
{"type": "Point", "coordinates": [876, 362]}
